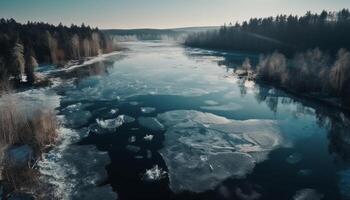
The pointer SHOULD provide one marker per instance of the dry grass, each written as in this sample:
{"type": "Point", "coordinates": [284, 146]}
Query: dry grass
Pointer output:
{"type": "Point", "coordinates": [37, 129]}
{"type": "Point", "coordinates": [19, 179]}
{"type": "Point", "coordinates": [5, 85]}
{"type": "Point", "coordinates": [18, 127]}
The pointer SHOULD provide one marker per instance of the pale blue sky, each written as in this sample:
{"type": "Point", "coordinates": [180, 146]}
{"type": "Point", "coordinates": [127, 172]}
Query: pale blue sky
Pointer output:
{"type": "Point", "coordinates": [157, 13]}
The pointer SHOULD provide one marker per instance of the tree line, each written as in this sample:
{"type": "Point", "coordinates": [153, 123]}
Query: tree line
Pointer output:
{"type": "Point", "coordinates": [328, 31]}
{"type": "Point", "coordinates": [306, 55]}
{"type": "Point", "coordinates": [23, 46]}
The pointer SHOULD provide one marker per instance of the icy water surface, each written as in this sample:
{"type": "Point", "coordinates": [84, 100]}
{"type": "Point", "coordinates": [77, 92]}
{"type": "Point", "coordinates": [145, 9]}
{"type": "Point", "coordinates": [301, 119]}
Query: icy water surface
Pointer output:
{"type": "Point", "coordinates": [173, 123]}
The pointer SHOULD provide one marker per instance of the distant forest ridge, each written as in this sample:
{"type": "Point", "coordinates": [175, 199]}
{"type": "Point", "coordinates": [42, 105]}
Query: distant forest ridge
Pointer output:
{"type": "Point", "coordinates": [154, 34]}
{"type": "Point", "coordinates": [288, 34]}
{"type": "Point", "coordinates": [23, 46]}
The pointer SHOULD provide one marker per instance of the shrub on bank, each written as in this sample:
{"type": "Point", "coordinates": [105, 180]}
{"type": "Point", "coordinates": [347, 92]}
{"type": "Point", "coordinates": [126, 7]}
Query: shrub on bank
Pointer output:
{"type": "Point", "coordinates": [24, 135]}
{"type": "Point", "coordinates": [312, 73]}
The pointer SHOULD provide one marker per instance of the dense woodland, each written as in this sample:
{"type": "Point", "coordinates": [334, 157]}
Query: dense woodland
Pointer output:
{"type": "Point", "coordinates": [288, 34]}
{"type": "Point", "coordinates": [23, 46]}
{"type": "Point", "coordinates": [306, 55]}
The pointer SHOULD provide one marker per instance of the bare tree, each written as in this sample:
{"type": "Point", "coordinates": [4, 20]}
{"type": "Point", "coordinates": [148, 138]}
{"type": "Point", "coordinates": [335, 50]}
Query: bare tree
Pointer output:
{"type": "Point", "coordinates": [340, 72]}
{"type": "Point", "coordinates": [18, 61]}
{"type": "Point", "coordinates": [76, 46]}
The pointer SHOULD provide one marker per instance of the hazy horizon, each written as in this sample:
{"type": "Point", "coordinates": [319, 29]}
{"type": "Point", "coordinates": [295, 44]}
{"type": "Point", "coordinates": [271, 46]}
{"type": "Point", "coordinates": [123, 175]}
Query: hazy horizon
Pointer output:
{"type": "Point", "coordinates": [159, 14]}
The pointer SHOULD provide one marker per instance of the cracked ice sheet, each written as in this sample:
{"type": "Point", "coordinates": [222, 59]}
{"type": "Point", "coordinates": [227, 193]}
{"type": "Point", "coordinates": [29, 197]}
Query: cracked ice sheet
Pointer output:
{"type": "Point", "coordinates": [201, 149]}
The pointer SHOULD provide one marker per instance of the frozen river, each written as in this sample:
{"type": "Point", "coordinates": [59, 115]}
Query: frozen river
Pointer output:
{"type": "Point", "coordinates": [160, 121]}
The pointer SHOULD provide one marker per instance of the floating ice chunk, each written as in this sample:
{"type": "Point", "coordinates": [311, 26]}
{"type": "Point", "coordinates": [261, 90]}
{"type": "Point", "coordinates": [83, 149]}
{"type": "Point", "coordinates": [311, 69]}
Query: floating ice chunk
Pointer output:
{"type": "Point", "coordinates": [73, 107]}
{"type": "Point", "coordinates": [154, 174]}
{"type": "Point", "coordinates": [147, 110]}
{"type": "Point", "coordinates": [114, 111]}
{"type": "Point", "coordinates": [151, 123]}
{"type": "Point", "coordinates": [202, 149]}
{"type": "Point", "coordinates": [134, 103]}
{"type": "Point", "coordinates": [132, 139]}
{"type": "Point", "coordinates": [109, 123]}
{"type": "Point", "coordinates": [177, 117]}
{"type": "Point", "coordinates": [211, 102]}
{"type": "Point", "coordinates": [115, 123]}
{"type": "Point", "coordinates": [226, 107]}
{"type": "Point", "coordinates": [294, 158]}
{"type": "Point", "coordinates": [204, 158]}
{"type": "Point", "coordinates": [262, 139]}
{"type": "Point", "coordinates": [308, 194]}
{"type": "Point", "coordinates": [133, 148]}
{"type": "Point", "coordinates": [148, 137]}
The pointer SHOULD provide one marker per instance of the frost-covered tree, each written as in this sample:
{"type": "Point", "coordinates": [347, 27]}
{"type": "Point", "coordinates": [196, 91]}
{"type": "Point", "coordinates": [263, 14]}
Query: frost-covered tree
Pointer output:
{"type": "Point", "coordinates": [273, 68]}
{"type": "Point", "coordinates": [76, 46]}
{"type": "Point", "coordinates": [95, 44]}
{"type": "Point", "coordinates": [18, 61]}
{"type": "Point", "coordinates": [340, 72]}
{"type": "Point", "coordinates": [86, 47]}
{"type": "Point", "coordinates": [52, 44]}
{"type": "Point", "coordinates": [31, 64]}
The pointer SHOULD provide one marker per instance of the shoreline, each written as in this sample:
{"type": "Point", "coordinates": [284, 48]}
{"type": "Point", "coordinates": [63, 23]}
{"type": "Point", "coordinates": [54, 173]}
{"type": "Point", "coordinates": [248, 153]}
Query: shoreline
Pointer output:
{"type": "Point", "coordinates": [57, 167]}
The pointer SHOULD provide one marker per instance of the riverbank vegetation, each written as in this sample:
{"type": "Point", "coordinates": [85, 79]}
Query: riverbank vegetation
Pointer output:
{"type": "Point", "coordinates": [312, 74]}
{"type": "Point", "coordinates": [23, 46]}
{"type": "Point", "coordinates": [24, 136]}
{"type": "Point", "coordinates": [306, 55]}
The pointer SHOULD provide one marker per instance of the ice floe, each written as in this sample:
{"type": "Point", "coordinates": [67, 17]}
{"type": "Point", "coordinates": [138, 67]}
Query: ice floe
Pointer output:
{"type": "Point", "coordinates": [148, 137]}
{"type": "Point", "coordinates": [307, 194]}
{"type": "Point", "coordinates": [154, 174]}
{"type": "Point", "coordinates": [147, 110]}
{"type": "Point", "coordinates": [202, 149]}
{"type": "Point", "coordinates": [151, 123]}
{"type": "Point", "coordinates": [115, 123]}
{"type": "Point", "coordinates": [211, 102]}
{"type": "Point", "coordinates": [114, 111]}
